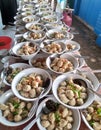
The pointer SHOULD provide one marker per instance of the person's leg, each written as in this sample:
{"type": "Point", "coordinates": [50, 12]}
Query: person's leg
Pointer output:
{"type": "Point", "coordinates": [3, 12]}
{"type": "Point", "coordinates": [12, 10]}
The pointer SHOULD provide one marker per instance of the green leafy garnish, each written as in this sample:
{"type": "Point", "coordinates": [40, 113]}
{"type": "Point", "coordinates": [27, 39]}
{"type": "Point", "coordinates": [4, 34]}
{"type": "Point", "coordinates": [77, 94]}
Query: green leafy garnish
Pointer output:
{"type": "Point", "coordinates": [15, 113]}
{"type": "Point", "coordinates": [91, 122]}
{"type": "Point", "coordinates": [79, 92]}
{"type": "Point", "coordinates": [57, 117]}
{"type": "Point", "coordinates": [14, 74]}
{"type": "Point", "coordinates": [15, 104]}
{"type": "Point", "coordinates": [99, 111]}
{"type": "Point", "coordinates": [75, 90]}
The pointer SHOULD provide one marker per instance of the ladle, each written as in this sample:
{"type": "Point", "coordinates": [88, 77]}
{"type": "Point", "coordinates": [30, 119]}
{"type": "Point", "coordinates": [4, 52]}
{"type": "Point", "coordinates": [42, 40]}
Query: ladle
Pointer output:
{"type": "Point", "coordinates": [87, 85]}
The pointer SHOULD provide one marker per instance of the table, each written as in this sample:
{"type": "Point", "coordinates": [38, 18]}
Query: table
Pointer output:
{"type": "Point", "coordinates": [2, 127]}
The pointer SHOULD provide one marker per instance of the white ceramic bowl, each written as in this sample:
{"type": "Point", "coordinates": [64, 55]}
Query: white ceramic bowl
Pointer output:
{"type": "Point", "coordinates": [3, 120]}
{"type": "Point", "coordinates": [40, 57]}
{"type": "Point", "coordinates": [47, 42]}
{"type": "Point", "coordinates": [14, 66]}
{"type": "Point", "coordinates": [83, 116]}
{"type": "Point", "coordinates": [66, 56]}
{"type": "Point", "coordinates": [76, 46]}
{"type": "Point", "coordinates": [67, 35]}
{"type": "Point", "coordinates": [81, 61]}
{"type": "Point", "coordinates": [28, 26]}
{"type": "Point", "coordinates": [25, 57]}
{"type": "Point", "coordinates": [27, 36]}
{"type": "Point", "coordinates": [25, 73]}
{"type": "Point", "coordinates": [89, 76]}
{"type": "Point", "coordinates": [27, 6]}
{"type": "Point", "coordinates": [54, 26]}
{"type": "Point", "coordinates": [44, 13]}
{"type": "Point", "coordinates": [19, 22]}
{"type": "Point", "coordinates": [27, 9]}
{"type": "Point", "coordinates": [54, 19]}
{"type": "Point", "coordinates": [32, 18]}
{"type": "Point", "coordinates": [27, 13]}
{"type": "Point", "coordinates": [61, 78]}
{"type": "Point", "coordinates": [76, 115]}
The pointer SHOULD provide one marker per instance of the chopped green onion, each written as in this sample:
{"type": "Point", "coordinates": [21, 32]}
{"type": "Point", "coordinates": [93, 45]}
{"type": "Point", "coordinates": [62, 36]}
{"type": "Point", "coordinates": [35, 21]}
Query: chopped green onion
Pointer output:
{"type": "Point", "coordinates": [99, 111]}
{"type": "Point", "coordinates": [57, 117]}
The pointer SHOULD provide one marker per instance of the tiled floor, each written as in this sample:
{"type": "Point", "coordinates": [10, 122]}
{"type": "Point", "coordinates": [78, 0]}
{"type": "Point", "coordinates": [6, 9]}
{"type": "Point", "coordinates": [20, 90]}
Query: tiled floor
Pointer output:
{"type": "Point", "coordinates": [87, 40]}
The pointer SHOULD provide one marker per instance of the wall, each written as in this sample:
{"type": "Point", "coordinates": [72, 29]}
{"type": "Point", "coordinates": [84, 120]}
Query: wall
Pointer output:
{"type": "Point", "coordinates": [88, 10]}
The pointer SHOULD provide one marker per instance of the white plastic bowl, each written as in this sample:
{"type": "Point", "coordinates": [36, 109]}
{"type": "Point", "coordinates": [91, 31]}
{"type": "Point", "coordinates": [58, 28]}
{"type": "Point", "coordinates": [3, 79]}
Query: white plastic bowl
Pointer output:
{"type": "Point", "coordinates": [61, 78]}
{"type": "Point", "coordinates": [3, 120]}
{"type": "Point", "coordinates": [25, 73]}
{"type": "Point", "coordinates": [66, 56]}
{"type": "Point", "coordinates": [76, 115]}
{"type": "Point", "coordinates": [25, 57]}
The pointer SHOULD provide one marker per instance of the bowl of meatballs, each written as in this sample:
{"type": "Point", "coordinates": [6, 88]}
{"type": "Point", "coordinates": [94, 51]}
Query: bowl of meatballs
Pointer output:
{"type": "Point", "coordinates": [59, 117]}
{"type": "Point", "coordinates": [71, 91]}
{"type": "Point", "coordinates": [26, 50]}
{"type": "Point", "coordinates": [35, 27]}
{"type": "Point", "coordinates": [92, 115]}
{"type": "Point", "coordinates": [61, 64]}
{"type": "Point", "coordinates": [58, 34]}
{"type": "Point", "coordinates": [30, 83]}
{"type": "Point", "coordinates": [31, 18]}
{"type": "Point", "coordinates": [53, 47]}
{"type": "Point", "coordinates": [35, 36]}
{"type": "Point", "coordinates": [14, 111]}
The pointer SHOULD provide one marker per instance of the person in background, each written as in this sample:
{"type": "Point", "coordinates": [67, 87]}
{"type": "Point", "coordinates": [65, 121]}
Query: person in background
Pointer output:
{"type": "Point", "coordinates": [8, 10]}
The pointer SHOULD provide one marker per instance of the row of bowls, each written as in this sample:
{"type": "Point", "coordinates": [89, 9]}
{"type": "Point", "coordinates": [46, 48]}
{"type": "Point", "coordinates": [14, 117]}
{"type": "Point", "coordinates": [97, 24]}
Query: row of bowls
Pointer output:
{"type": "Point", "coordinates": [50, 44]}
{"type": "Point", "coordinates": [54, 86]}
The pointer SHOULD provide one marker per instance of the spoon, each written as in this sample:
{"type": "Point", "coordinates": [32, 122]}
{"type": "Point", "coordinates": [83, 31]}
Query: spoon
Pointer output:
{"type": "Point", "coordinates": [45, 85]}
{"type": "Point", "coordinates": [4, 73]}
{"type": "Point", "coordinates": [87, 85]}
{"type": "Point", "coordinates": [48, 107]}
